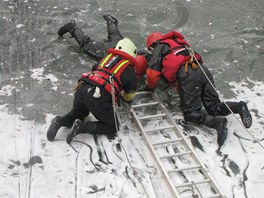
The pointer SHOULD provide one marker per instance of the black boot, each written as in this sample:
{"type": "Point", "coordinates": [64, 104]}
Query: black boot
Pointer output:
{"type": "Point", "coordinates": [220, 125]}
{"type": "Point", "coordinates": [81, 127]}
{"type": "Point", "coordinates": [68, 27]}
{"type": "Point", "coordinates": [54, 127]}
{"type": "Point", "coordinates": [110, 19]}
{"type": "Point", "coordinates": [113, 31]}
{"type": "Point", "coordinates": [242, 109]}
{"type": "Point", "coordinates": [76, 129]}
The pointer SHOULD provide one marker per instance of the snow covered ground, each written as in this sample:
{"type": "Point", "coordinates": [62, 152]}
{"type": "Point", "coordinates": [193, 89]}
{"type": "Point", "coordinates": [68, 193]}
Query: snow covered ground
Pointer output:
{"type": "Point", "coordinates": [38, 72]}
{"type": "Point", "coordinates": [33, 167]}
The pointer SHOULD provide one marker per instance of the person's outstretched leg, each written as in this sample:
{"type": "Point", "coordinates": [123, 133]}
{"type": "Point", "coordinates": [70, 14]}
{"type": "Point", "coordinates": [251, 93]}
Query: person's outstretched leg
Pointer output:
{"type": "Point", "coordinates": [112, 28]}
{"type": "Point", "coordinates": [221, 109]}
{"type": "Point", "coordinates": [67, 28]}
{"type": "Point", "coordinates": [95, 49]}
{"type": "Point", "coordinates": [241, 109]}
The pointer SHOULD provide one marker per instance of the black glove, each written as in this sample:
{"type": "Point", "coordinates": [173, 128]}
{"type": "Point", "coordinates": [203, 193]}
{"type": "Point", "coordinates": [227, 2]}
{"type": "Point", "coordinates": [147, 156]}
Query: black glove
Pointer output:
{"type": "Point", "coordinates": [68, 27]}
{"type": "Point", "coordinates": [144, 53]}
{"type": "Point", "coordinates": [144, 88]}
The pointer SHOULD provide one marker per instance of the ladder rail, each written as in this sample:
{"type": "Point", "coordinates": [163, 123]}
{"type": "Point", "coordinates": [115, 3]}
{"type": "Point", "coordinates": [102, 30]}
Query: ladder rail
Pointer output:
{"type": "Point", "coordinates": [203, 169]}
{"type": "Point", "coordinates": [164, 172]}
{"type": "Point", "coordinates": [180, 138]}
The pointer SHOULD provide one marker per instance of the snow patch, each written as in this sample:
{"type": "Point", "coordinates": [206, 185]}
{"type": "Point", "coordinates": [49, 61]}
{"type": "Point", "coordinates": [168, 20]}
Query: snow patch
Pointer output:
{"type": "Point", "coordinates": [38, 75]}
{"type": "Point", "coordinates": [7, 90]}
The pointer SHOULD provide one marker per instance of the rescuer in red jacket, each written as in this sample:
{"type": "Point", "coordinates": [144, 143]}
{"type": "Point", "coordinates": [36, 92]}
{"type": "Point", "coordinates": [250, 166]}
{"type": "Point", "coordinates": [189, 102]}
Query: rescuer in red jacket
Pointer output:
{"type": "Point", "coordinates": [172, 58]}
{"type": "Point", "coordinates": [114, 75]}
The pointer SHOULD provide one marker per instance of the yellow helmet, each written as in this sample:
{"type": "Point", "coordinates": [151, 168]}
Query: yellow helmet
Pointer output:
{"type": "Point", "coordinates": [126, 45]}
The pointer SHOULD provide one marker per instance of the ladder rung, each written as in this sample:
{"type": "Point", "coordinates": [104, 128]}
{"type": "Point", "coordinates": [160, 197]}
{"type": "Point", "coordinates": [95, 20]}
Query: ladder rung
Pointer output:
{"type": "Point", "coordinates": [163, 113]}
{"type": "Point", "coordinates": [214, 196]}
{"type": "Point", "coordinates": [152, 116]}
{"type": "Point", "coordinates": [184, 169]}
{"type": "Point", "coordinates": [145, 104]}
{"type": "Point", "coordinates": [194, 182]}
{"type": "Point", "coordinates": [176, 154]}
{"type": "Point", "coordinates": [158, 129]}
{"type": "Point", "coordinates": [143, 92]}
{"type": "Point", "coordinates": [166, 142]}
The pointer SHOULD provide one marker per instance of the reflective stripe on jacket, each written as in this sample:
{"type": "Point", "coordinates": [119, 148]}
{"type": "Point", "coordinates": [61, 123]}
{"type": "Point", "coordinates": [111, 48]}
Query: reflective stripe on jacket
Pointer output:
{"type": "Point", "coordinates": [112, 65]}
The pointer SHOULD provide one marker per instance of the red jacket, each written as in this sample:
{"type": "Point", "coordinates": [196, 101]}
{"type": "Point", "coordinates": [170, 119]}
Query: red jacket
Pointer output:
{"type": "Point", "coordinates": [169, 62]}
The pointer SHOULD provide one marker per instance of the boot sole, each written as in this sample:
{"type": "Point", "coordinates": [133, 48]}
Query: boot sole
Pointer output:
{"type": "Point", "coordinates": [223, 136]}
{"type": "Point", "coordinates": [74, 131]}
{"type": "Point", "coordinates": [246, 117]}
{"type": "Point", "coordinates": [53, 130]}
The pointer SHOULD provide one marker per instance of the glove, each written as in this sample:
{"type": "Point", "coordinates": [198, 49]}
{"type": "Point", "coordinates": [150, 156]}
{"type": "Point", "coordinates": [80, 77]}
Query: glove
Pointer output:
{"type": "Point", "coordinates": [125, 103]}
{"type": "Point", "coordinates": [68, 27]}
{"type": "Point", "coordinates": [145, 88]}
{"type": "Point", "coordinates": [128, 97]}
{"type": "Point", "coordinates": [144, 53]}
{"type": "Point", "coordinates": [129, 103]}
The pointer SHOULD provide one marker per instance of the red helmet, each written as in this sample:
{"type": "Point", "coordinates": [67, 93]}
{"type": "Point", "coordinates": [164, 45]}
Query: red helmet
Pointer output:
{"type": "Point", "coordinates": [141, 66]}
{"type": "Point", "coordinates": [155, 36]}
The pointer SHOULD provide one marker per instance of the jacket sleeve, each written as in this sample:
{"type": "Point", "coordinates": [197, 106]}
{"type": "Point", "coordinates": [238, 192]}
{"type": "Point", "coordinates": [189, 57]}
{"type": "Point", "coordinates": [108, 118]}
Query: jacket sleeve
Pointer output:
{"type": "Point", "coordinates": [144, 53]}
{"type": "Point", "coordinates": [129, 83]}
{"type": "Point", "coordinates": [153, 76]}
{"type": "Point", "coordinates": [154, 66]}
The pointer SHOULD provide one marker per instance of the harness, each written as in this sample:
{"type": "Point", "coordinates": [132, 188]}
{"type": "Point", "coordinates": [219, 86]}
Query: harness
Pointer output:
{"type": "Point", "coordinates": [177, 56]}
{"type": "Point", "coordinates": [111, 66]}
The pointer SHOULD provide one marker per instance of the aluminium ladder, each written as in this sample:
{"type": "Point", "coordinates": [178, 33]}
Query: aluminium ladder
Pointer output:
{"type": "Point", "coordinates": [181, 168]}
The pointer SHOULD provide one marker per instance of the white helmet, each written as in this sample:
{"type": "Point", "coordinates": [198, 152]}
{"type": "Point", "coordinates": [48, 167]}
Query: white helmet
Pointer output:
{"type": "Point", "coordinates": [126, 45]}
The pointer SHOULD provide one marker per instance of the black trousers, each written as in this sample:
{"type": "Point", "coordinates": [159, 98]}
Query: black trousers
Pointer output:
{"type": "Point", "coordinates": [84, 103]}
{"type": "Point", "coordinates": [195, 91]}
{"type": "Point", "coordinates": [98, 49]}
